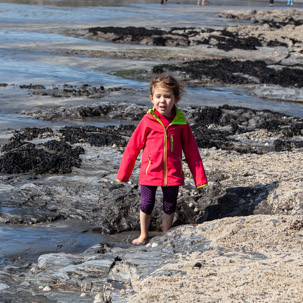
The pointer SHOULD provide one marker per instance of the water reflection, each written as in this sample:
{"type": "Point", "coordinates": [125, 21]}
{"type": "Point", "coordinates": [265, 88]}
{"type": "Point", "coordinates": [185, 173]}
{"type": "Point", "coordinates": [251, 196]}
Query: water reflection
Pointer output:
{"type": "Point", "coordinates": [29, 242]}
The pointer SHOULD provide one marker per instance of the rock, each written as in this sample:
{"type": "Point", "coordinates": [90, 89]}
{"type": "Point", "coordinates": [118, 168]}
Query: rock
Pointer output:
{"type": "Point", "coordinates": [86, 287]}
{"type": "Point", "coordinates": [3, 286]}
{"type": "Point", "coordinates": [55, 260]}
{"type": "Point", "coordinates": [229, 71]}
{"type": "Point", "coordinates": [103, 298]}
{"type": "Point", "coordinates": [98, 298]}
{"type": "Point", "coordinates": [187, 253]}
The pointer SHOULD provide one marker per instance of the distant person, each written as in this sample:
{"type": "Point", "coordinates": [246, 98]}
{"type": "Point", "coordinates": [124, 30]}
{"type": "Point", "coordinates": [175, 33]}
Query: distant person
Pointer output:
{"type": "Point", "coordinates": [271, 2]}
{"type": "Point", "coordinates": [201, 2]}
{"type": "Point", "coordinates": [162, 1]}
{"type": "Point", "coordinates": [163, 134]}
{"type": "Point", "coordinates": [290, 3]}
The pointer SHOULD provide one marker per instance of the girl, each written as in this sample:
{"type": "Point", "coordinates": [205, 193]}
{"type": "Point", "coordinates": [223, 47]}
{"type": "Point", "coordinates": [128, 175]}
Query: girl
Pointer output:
{"type": "Point", "coordinates": [162, 134]}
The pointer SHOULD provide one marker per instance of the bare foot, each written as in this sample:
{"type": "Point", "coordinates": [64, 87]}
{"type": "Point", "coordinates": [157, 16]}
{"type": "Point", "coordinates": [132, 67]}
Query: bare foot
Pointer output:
{"type": "Point", "coordinates": [140, 241]}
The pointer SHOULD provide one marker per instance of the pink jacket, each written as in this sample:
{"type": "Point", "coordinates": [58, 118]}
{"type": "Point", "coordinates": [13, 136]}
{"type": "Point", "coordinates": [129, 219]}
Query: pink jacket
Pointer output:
{"type": "Point", "coordinates": [161, 163]}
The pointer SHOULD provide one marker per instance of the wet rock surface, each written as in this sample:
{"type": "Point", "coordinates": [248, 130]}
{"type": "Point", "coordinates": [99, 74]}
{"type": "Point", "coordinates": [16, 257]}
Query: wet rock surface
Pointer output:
{"type": "Point", "coordinates": [225, 127]}
{"type": "Point", "coordinates": [69, 150]}
{"type": "Point", "coordinates": [120, 111]}
{"type": "Point", "coordinates": [226, 250]}
{"type": "Point", "coordinates": [69, 91]}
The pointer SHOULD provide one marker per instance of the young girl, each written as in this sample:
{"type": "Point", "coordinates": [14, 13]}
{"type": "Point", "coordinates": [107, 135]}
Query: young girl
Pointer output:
{"type": "Point", "coordinates": [162, 134]}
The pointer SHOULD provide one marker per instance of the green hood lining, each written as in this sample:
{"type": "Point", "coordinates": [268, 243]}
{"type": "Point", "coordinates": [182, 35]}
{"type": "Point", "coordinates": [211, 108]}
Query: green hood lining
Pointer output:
{"type": "Point", "coordinates": [179, 118]}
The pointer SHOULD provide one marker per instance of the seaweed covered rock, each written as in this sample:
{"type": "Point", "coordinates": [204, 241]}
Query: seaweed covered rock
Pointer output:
{"type": "Point", "coordinates": [245, 130]}
{"type": "Point", "coordinates": [27, 134]}
{"type": "Point", "coordinates": [53, 156]}
{"type": "Point", "coordinates": [93, 135]}
{"type": "Point", "coordinates": [56, 155]}
{"type": "Point", "coordinates": [140, 35]}
{"type": "Point", "coordinates": [120, 111]}
{"type": "Point", "coordinates": [234, 72]}
{"type": "Point", "coordinates": [30, 159]}
{"type": "Point", "coordinates": [178, 36]}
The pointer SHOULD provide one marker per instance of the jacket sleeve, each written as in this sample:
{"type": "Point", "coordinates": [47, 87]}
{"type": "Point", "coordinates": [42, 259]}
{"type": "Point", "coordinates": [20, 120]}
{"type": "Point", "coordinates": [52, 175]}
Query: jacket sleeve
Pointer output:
{"type": "Point", "coordinates": [193, 157]}
{"type": "Point", "coordinates": [132, 150]}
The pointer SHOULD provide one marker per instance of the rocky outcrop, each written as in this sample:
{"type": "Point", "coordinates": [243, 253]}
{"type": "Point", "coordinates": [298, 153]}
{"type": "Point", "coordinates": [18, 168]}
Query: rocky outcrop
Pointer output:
{"type": "Point", "coordinates": [70, 91]}
{"type": "Point", "coordinates": [217, 260]}
{"type": "Point", "coordinates": [229, 38]}
{"type": "Point", "coordinates": [89, 156]}
{"type": "Point", "coordinates": [268, 28]}
{"type": "Point", "coordinates": [235, 72]}
{"type": "Point", "coordinates": [225, 127]}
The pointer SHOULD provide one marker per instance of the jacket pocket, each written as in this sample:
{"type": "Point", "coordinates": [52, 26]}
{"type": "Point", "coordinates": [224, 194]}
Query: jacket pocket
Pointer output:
{"type": "Point", "coordinates": [148, 165]}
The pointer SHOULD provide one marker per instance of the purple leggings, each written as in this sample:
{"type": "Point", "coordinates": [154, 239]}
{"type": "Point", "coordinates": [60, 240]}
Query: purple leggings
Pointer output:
{"type": "Point", "coordinates": [148, 198]}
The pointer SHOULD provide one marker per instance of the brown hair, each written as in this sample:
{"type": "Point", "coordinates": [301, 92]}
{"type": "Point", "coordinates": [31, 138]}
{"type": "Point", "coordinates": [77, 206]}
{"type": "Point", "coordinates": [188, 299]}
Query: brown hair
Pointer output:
{"type": "Point", "coordinates": [168, 81]}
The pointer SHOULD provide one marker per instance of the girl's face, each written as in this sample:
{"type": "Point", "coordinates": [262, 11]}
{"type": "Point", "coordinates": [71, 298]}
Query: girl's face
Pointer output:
{"type": "Point", "coordinates": [163, 100]}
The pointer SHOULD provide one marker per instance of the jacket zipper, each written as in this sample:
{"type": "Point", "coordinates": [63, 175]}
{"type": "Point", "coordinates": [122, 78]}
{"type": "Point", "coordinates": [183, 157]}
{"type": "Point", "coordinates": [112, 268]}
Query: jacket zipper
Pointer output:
{"type": "Point", "coordinates": [171, 143]}
{"type": "Point", "coordinates": [165, 158]}
{"type": "Point", "coordinates": [165, 154]}
{"type": "Point", "coordinates": [148, 165]}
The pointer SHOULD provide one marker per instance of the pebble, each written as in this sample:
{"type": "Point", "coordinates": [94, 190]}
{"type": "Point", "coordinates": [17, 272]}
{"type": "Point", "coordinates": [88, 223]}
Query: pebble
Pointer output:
{"type": "Point", "coordinates": [154, 245]}
{"type": "Point", "coordinates": [47, 288]}
{"type": "Point", "coordinates": [98, 298]}
{"type": "Point", "coordinates": [3, 286]}
{"type": "Point", "coordinates": [86, 287]}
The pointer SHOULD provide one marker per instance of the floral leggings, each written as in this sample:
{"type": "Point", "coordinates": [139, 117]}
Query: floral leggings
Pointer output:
{"type": "Point", "coordinates": [148, 198]}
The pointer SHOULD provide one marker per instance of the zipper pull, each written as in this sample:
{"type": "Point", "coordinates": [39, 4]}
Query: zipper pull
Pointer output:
{"type": "Point", "coordinates": [148, 165]}
{"type": "Point", "coordinates": [171, 143]}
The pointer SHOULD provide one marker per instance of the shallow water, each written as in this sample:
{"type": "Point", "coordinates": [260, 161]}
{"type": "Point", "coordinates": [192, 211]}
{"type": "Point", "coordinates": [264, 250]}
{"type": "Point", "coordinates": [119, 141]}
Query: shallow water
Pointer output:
{"type": "Point", "coordinates": [218, 96]}
{"type": "Point", "coordinates": [30, 242]}
{"type": "Point", "coordinates": [28, 32]}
